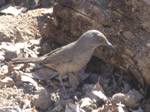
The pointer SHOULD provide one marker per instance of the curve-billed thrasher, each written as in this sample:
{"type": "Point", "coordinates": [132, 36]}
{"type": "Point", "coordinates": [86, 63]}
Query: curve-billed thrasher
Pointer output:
{"type": "Point", "coordinates": [71, 57]}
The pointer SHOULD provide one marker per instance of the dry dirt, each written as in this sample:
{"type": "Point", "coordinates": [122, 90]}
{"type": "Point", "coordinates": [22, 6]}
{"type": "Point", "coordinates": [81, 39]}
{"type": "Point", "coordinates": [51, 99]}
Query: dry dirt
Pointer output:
{"type": "Point", "coordinates": [34, 88]}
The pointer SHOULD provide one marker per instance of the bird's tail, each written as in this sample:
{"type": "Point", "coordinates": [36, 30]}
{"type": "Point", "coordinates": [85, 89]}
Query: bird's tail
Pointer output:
{"type": "Point", "coordinates": [27, 60]}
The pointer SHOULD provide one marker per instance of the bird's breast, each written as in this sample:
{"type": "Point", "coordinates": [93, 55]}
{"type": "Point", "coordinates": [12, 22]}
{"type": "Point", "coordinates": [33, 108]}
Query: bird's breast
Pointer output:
{"type": "Point", "coordinates": [78, 62]}
{"type": "Point", "coordinates": [79, 59]}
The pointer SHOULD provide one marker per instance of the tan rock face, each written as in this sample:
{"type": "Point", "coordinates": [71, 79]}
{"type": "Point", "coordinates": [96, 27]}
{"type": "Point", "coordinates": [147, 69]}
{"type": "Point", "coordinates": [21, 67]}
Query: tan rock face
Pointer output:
{"type": "Point", "coordinates": [18, 29]}
{"type": "Point", "coordinates": [123, 22]}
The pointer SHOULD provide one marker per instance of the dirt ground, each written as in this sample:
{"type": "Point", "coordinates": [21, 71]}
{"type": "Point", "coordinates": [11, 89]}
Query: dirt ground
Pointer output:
{"type": "Point", "coordinates": [34, 88]}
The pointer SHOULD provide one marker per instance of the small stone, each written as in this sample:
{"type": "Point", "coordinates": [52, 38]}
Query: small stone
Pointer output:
{"type": "Point", "coordinates": [2, 2]}
{"type": "Point", "coordinates": [131, 99]}
{"type": "Point", "coordinates": [129, 52]}
{"type": "Point", "coordinates": [10, 109]}
{"type": "Point", "coordinates": [19, 83]}
{"type": "Point", "coordinates": [147, 1]}
{"type": "Point", "coordinates": [8, 50]}
{"type": "Point", "coordinates": [148, 44]}
{"type": "Point", "coordinates": [42, 100]}
{"type": "Point", "coordinates": [93, 78]}
{"type": "Point", "coordinates": [128, 34]}
{"type": "Point", "coordinates": [56, 109]}
{"type": "Point", "coordinates": [2, 58]}
{"type": "Point", "coordinates": [82, 75]}
{"type": "Point", "coordinates": [86, 102]}
{"type": "Point", "coordinates": [65, 102]}
{"type": "Point", "coordinates": [87, 88]}
{"type": "Point", "coordinates": [8, 82]}
{"type": "Point", "coordinates": [70, 107]}
{"type": "Point", "coordinates": [3, 71]}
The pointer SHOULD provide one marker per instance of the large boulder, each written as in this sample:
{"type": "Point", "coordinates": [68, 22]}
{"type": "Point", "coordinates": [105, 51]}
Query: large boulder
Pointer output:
{"type": "Point", "coordinates": [126, 24]}
{"type": "Point", "coordinates": [23, 27]}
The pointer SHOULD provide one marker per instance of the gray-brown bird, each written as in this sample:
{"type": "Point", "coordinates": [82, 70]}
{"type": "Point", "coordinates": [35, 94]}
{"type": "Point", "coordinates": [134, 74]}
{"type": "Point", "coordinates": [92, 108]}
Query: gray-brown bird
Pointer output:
{"type": "Point", "coordinates": [72, 57]}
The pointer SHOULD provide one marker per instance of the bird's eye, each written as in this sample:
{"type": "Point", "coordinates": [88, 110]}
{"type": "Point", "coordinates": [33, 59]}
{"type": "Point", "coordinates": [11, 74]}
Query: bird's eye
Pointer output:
{"type": "Point", "coordinates": [100, 38]}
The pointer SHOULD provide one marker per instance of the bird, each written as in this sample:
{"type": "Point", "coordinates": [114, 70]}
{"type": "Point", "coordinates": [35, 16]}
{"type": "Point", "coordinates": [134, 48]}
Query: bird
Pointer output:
{"type": "Point", "coordinates": [72, 57]}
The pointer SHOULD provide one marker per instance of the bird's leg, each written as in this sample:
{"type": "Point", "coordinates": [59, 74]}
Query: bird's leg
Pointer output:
{"type": "Point", "coordinates": [73, 80]}
{"type": "Point", "coordinates": [60, 79]}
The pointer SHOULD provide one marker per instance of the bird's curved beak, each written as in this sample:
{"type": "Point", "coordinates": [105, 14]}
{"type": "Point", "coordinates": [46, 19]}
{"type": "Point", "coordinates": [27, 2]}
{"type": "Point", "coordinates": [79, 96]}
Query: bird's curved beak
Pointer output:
{"type": "Point", "coordinates": [111, 46]}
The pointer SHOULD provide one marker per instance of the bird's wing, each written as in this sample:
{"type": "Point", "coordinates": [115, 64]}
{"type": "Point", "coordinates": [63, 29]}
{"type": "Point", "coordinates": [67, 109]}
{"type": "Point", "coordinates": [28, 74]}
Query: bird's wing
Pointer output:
{"type": "Point", "coordinates": [58, 56]}
{"type": "Point", "coordinates": [53, 51]}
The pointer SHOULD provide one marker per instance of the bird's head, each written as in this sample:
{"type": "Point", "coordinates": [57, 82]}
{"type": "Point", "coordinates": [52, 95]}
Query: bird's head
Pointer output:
{"type": "Point", "coordinates": [95, 38]}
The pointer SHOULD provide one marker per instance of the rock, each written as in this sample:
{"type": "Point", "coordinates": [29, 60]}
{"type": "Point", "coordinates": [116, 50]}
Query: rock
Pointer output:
{"type": "Point", "coordinates": [12, 10]}
{"type": "Point", "coordinates": [122, 26]}
{"type": "Point", "coordinates": [126, 87]}
{"type": "Point", "coordinates": [138, 110]}
{"type": "Point", "coordinates": [87, 88]}
{"type": "Point", "coordinates": [93, 78]}
{"type": "Point", "coordinates": [128, 34]}
{"type": "Point", "coordinates": [146, 107]}
{"type": "Point", "coordinates": [96, 95]}
{"type": "Point", "coordinates": [86, 102]}
{"type": "Point", "coordinates": [29, 4]}
{"type": "Point", "coordinates": [19, 83]}
{"type": "Point", "coordinates": [8, 82]}
{"type": "Point", "coordinates": [8, 51]}
{"type": "Point", "coordinates": [47, 3]}
{"type": "Point", "coordinates": [148, 44]}
{"type": "Point", "coordinates": [3, 71]}
{"type": "Point", "coordinates": [33, 4]}
{"type": "Point", "coordinates": [65, 102]}
{"type": "Point", "coordinates": [99, 92]}
{"type": "Point", "coordinates": [131, 99]}
{"type": "Point", "coordinates": [147, 1]}
{"type": "Point", "coordinates": [42, 100]}
{"type": "Point", "coordinates": [70, 107]}
{"type": "Point", "coordinates": [2, 2]}
{"type": "Point", "coordinates": [10, 109]}
{"type": "Point", "coordinates": [58, 108]}
{"type": "Point", "coordinates": [13, 31]}
{"type": "Point", "coordinates": [82, 75]}
{"type": "Point", "coordinates": [25, 78]}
